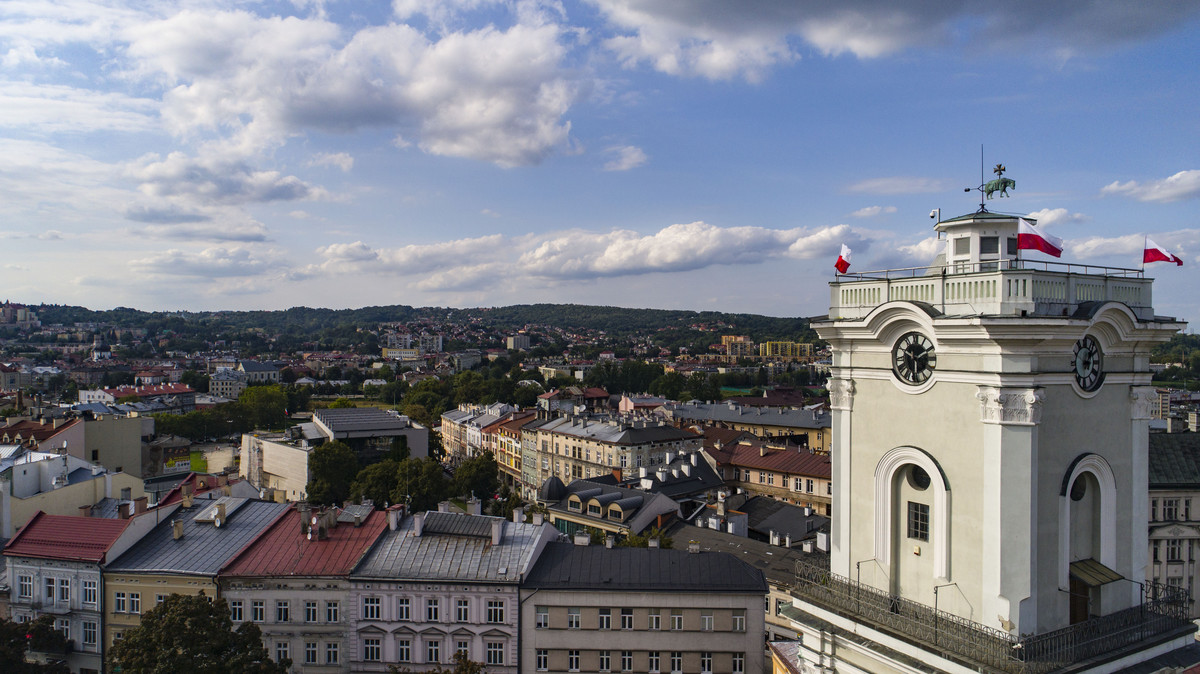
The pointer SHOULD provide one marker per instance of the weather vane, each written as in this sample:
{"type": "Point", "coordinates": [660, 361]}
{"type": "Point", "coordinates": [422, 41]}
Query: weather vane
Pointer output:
{"type": "Point", "coordinates": [988, 188]}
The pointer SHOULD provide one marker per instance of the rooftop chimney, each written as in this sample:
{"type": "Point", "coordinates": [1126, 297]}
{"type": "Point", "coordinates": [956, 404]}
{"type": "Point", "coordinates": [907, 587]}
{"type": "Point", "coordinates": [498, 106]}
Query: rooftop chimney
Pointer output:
{"type": "Point", "coordinates": [582, 539]}
{"type": "Point", "coordinates": [394, 514]}
{"type": "Point", "coordinates": [139, 505]}
{"type": "Point", "coordinates": [652, 543]}
{"type": "Point", "coordinates": [187, 500]}
{"type": "Point", "coordinates": [177, 529]}
{"type": "Point", "coordinates": [693, 456]}
{"type": "Point", "coordinates": [418, 524]}
{"type": "Point", "coordinates": [219, 519]}
{"type": "Point", "coordinates": [539, 519]}
{"type": "Point", "coordinates": [497, 531]}
{"type": "Point", "coordinates": [609, 541]}
{"type": "Point", "coordinates": [693, 547]}
{"type": "Point", "coordinates": [444, 506]}
{"type": "Point", "coordinates": [123, 510]}
{"type": "Point", "coordinates": [518, 515]}
{"type": "Point", "coordinates": [85, 511]}
{"type": "Point", "coordinates": [473, 506]}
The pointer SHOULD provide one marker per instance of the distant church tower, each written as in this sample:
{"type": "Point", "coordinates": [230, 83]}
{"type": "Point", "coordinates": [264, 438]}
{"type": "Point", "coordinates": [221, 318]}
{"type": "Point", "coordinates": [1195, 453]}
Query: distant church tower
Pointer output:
{"type": "Point", "coordinates": [990, 421]}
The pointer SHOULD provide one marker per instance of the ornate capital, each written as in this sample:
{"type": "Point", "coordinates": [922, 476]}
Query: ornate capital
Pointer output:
{"type": "Point", "coordinates": [1145, 401]}
{"type": "Point", "coordinates": [841, 394]}
{"type": "Point", "coordinates": [1011, 406]}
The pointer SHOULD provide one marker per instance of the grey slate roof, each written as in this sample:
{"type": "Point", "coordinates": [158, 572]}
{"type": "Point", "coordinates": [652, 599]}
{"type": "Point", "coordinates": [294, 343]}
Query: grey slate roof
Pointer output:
{"type": "Point", "coordinates": [733, 413]}
{"type": "Point", "coordinates": [1174, 460]}
{"type": "Point", "coordinates": [564, 566]}
{"type": "Point", "coordinates": [204, 548]}
{"type": "Point", "coordinates": [453, 550]}
{"type": "Point", "coordinates": [359, 420]}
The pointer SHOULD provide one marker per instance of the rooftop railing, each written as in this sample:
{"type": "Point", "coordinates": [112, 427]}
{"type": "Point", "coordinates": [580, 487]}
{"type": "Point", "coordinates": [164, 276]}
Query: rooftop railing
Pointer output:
{"type": "Point", "coordinates": [1163, 609]}
{"type": "Point", "coordinates": [999, 287]}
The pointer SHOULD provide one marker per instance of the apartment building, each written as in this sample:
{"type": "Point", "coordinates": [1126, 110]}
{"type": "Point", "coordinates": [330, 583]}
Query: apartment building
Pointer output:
{"type": "Point", "coordinates": [775, 469]}
{"type": "Point", "coordinates": [579, 446]}
{"type": "Point", "coordinates": [440, 584]}
{"type": "Point", "coordinates": [593, 609]}
{"type": "Point", "coordinates": [807, 427]}
{"type": "Point", "coordinates": [293, 580]}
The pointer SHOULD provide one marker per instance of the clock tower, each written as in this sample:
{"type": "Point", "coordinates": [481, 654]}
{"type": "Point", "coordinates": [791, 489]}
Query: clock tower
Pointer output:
{"type": "Point", "coordinates": [990, 422]}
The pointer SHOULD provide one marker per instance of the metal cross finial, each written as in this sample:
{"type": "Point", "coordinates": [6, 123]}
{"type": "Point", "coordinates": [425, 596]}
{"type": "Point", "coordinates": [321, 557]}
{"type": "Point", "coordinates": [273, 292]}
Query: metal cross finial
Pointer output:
{"type": "Point", "coordinates": [999, 170]}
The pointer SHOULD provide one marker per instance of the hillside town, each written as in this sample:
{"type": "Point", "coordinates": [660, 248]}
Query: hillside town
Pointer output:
{"type": "Point", "coordinates": [546, 505]}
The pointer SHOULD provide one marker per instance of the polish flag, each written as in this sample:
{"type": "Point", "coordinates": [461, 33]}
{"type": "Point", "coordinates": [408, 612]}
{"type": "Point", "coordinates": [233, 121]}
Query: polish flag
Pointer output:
{"type": "Point", "coordinates": [843, 261]}
{"type": "Point", "coordinates": [1156, 253]}
{"type": "Point", "coordinates": [1031, 238]}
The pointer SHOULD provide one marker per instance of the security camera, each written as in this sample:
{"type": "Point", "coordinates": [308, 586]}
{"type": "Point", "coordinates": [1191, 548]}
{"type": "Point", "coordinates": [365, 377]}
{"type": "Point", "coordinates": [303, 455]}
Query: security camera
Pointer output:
{"type": "Point", "coordinates": [933, 213]}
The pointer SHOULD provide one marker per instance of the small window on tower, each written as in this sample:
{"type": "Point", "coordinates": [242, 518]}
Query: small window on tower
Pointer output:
{"type": "Point", "coordinates": [962, 246]}
{"type": "Point", "coordinates": [918, 478]}
{"type": "Point", "coordinates": [1012, 245]}
{"type": "Point", "coordinates": [918, 521]}
{"type": "Point", "coordinates": [989, 245]}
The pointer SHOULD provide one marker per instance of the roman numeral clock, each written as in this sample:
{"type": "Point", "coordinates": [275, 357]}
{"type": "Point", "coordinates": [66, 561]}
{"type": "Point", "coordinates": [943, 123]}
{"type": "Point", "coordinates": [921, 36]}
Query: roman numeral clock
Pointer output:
{"type": "Point", "coordinates": [913, 358]}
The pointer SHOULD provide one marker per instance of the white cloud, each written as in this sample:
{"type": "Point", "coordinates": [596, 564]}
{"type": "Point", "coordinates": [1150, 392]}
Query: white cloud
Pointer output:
{"type": "Point", "coordinates": [1181, 242]}
{"type": "Point", "coordinates": [1049, 217]}
{"type": "Point", "coordinates": [217, 262]}
{"type": "Point", "coordinates": [897, 185]}
{"type": "Point", "coordinates": [217, 180]}
{"type": "Point", "coordinates": [341, 160]}
{"type": "Point", "coordinates": [54, 108]}
{"type": "Point", "coordinates": [1182, 185]}
{"type": "Point", "coordinates": [872, 211]}
{"type": "Point", "coordinates": [625, 157]}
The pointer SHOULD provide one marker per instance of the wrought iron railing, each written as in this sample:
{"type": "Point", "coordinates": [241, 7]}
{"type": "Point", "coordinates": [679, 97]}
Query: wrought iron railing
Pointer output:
{"type": "Point", "coordinates": [973, 644]}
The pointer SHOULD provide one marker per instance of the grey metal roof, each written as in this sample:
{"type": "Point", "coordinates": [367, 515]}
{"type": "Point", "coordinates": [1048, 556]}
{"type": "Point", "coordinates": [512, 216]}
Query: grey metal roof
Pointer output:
{"type": "Point", "coordinates": [357, 419]}
{"type": "Point", "coordinates": [564, 566]}
{"type": "Point", "coordinates": [455, 524]}
{"type": "Point", "coordinates": [204, 548]}
{"type": "Point", "coordinates": [352, 510]}
{"type": "Point", "coordinates": [399, 555]}
{"type": "Point", "coordinates": [777, 563]}
{"type": "Point", "coordinates": [1174, 460]}
{"type": "Point", "coordinates": [734, 413]}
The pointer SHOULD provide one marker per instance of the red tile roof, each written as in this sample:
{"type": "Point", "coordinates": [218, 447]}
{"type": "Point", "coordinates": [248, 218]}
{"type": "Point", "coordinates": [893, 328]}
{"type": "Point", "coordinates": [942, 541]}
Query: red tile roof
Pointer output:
{"type": "Point", "coordinates": [85, 539]}
{"type": "Point", "coordinates": [748, 453]}
{"type": "Point", "coordinates": [283, 550]}
{"type": "Point", "coordinates": [200, 483]}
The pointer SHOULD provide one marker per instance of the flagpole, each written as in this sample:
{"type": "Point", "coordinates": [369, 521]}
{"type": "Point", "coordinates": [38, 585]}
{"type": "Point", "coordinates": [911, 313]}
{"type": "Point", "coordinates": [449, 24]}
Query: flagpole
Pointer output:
{"type": "Point", "coordinates": [1145, 244]}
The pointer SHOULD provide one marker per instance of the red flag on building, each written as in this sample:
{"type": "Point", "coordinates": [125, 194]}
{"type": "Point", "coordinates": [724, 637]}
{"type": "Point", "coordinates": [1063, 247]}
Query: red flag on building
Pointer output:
{"type": "Point", "coordinates": [1032, 238]}
{"type": "Point", "coordinates": [843, 261]}
{"type": "Point", "coordinates": [1156, 253]}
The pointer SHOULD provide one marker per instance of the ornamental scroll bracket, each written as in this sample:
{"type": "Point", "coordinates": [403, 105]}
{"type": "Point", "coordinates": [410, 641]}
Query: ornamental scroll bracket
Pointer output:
{"type": "Point", "coordinates": [1010, 406]}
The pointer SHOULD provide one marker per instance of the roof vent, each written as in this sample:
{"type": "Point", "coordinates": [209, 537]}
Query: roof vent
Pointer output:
{"type": "Point", "coordinates": [693, 547]}
{"type": "Point", "coordinates": [177, 529]}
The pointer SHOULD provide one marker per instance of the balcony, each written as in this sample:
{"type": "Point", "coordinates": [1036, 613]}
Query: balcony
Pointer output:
{"type": "Point", "coordinates": [1002, 287]}
{"type": "Point", "coordinates": [1163, 613]}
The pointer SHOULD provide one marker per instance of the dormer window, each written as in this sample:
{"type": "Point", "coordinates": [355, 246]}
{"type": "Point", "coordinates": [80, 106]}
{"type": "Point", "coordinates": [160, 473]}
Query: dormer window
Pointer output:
{"type": "Point", "coordinates": [574, 505]}
{"type": "Point", "coordinates": [594, 509]}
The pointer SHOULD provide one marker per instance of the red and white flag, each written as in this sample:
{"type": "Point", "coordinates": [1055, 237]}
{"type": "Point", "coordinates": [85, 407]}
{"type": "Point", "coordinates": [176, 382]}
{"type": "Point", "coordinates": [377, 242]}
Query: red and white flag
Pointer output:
{"type": "Point", "coordinates": [843, 261]}
{"type": "Point", "coordinates": [1032, 238]}
{"type": "Point", "coordinates": [1156, 253]}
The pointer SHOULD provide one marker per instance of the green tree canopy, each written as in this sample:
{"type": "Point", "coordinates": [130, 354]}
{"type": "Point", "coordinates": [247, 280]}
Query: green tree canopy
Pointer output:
{"type": "Point", "coordinates": [266, 405]}
{"type": "Point", "coordinates": [188, 634]}
{"type": "Point", "coordinates": [38, 635]}
{"type": "Point", "coordinates": [332, 468]}
{"type": "Point", "coordinates": [479, 475]}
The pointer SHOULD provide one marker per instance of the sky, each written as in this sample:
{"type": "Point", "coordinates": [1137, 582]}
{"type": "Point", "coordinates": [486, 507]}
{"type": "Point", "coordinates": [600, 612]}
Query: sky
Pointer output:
{"type": "Point", "coordinates": [674, 154]}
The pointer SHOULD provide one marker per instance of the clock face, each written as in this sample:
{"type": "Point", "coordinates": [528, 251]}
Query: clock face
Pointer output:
{"type": "Point", "coordinates": [913, 358]}
{"type": "Point", "coordinates": [1088, 364]}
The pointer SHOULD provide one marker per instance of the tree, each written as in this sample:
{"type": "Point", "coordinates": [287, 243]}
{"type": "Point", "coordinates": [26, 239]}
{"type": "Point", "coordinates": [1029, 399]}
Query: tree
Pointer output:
{"type": "Point", "coordinates": [421, 483]}
{"type": "Point", "coordinates": [38, 635]}
{"type": "Point", "coordinates": [376, 482]}
{"type": "Point", "coordinates": [189, 634]}
{"type": "Point", "coordinates": [332, 468]}
{"type": "Point", "coordinates": [478, 475]}
{"type": "Point", "coordinates": [462, 665]}
{"type": "Point", "coordinates": [266, 405]}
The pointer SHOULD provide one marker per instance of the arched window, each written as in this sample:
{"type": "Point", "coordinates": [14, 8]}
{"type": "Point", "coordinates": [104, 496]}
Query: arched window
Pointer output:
{"type": "Point", "coordinates": [938, 521]}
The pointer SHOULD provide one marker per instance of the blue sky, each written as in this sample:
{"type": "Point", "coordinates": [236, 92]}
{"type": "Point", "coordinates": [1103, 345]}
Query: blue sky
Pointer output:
{"type": "Point", "coordinates": [688, 154]}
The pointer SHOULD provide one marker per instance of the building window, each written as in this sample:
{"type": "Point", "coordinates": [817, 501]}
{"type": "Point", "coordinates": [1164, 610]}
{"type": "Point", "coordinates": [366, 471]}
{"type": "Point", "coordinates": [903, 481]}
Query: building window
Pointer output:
{"type": "Point", "coordinates": [433, 651]}
{"type": "Point", "coordinates": [739, 621]}
{"type": "Point", "coordinates": [543, 660]}
{"type": "Point", "coordinates": [809, 486]}
{"type": "Point", "coordinates": [626, 618]}
{"type": "Point", "coordinates": [403, 650]}
{"type": "Point", "coordinates": [64, 589]}
{"type": "Point", "coordinates": [605, 619]}
{"type": "Point", "coordinates": [495, 653]}
{"type": "Point", "coordinates": [572, 661]}
{"type": "Point", "coordinates": [654, 663]}
{"type": "Point", "coordinates": [135, 602]}
{"type": "Point", "coordinates": [49, 590]}
{"type": "Point", "coordinates": [282, 651]}
{"type": "Point", "coordinates": [495, 611]}
{"type": "Point", "coordinates": [654, 621]}
{"type": "Point", "coordinates": [1174, 551]}
{"type": "Point", "coordinates": [403, 609]}
{"type": "Point", "coordinates": [462, 648]}
{"type": "Point", "coordinates": [739, 663]}
{"type": "Point", "coordinates": [626, 661]}
{"type": "Point", "coordinates": [594, 509]}
{"type": "Point", "coordinates": [542, 618]}
{"type": "Point", "coordinates": [159, 598]}
{"type": "Point", "coordinates": [258, 610]}
{"type": "Point", "coordinates": [676, 662]}
{"type": "Point", "coordinates": [572, 618]}
{"type": "Point", "coordinates": [332, 654]}
{"type": "Point", "coordinates": [331, 612]}
{"type": "Point", "coordinates": [574, 506]}
{"type": "Point", "coordinates": [432, 610]}
{"type": "Point", "coordinates": [605, 661]}
{"type": "Point", "coordinates": [89, 633]}
{"type": "Point", "coordinates": [1170, 509]}
{"type": "Point", "coordinates": [310, 652]}
{"type": "Point", "coordinates": [310, 611]}
{"type": "Point", "coordinates": [706, 663]}
{"type": "Point", "coordinates": [25, 587]}
{"type": "Point", "coordinates": [283, 612]}
{"type": "Point", "coordinates": [235, 610]}
{"type": "Point", "coordinates": [119, 605]}
{"type": "Point", "coordinates": [371, 650]}
{"type": "Point", "coordinates": [771, 479]}
{"type": "Point", "coordinates": [63, 625]}
{"type": "Point", "coordinates": [762, 477]}
{"type": "Point", "coordinates": [370, 607]}
{"type": "Point", "coordinates": [918, 521]}
{"type": "Point", "coordinates": [676, 620]}
{"type": "Point", "coordinates": [989, 245]}
{"type": "Point", "coordinates": [706, 621]}
{"type": "Point", "coordinates": [462, 611]}
{"type": "Point", "coordinates": [1153, 510]}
